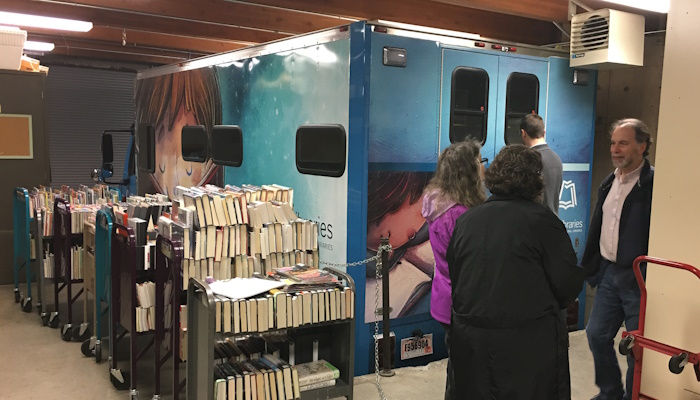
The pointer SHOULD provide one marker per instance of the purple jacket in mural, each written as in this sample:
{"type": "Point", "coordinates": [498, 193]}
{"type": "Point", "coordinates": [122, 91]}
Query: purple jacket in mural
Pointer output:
{"type": "Point", "coordinates": [441, 217]}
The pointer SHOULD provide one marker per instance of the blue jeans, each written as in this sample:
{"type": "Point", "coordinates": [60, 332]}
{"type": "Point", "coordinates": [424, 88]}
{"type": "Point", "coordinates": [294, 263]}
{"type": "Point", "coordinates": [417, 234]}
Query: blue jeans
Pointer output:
{"type": "Point", "coordinates": [617, 300]}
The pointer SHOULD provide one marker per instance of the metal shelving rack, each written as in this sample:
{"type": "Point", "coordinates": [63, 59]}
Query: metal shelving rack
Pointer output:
{"type": "Point", "coordinates": [63, 239]}
{"type": "Point", "coordinates": [336, 344]}
{"type": "Point", "coordinates": [125, 274]}
{"type": "Point", "coordinates": [22, 246]}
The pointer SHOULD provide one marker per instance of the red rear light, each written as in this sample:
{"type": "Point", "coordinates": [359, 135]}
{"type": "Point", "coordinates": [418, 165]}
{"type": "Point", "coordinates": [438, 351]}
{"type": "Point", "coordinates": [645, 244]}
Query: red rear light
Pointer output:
{"type": "Point", "coordinates": [496, 46]}
{"type": "Point", "coordinates": [479, 44]}
{"type": "Point", "coordinates": [380, 29]}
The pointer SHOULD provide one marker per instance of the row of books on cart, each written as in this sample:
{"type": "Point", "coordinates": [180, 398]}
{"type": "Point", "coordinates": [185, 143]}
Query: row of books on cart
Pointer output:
{"type": "Point", "coordinates": [262, 367]}
{"type": "Point", "coordinates": [83, 202]}
{"type": "Point", "coordinates": [77, 265]}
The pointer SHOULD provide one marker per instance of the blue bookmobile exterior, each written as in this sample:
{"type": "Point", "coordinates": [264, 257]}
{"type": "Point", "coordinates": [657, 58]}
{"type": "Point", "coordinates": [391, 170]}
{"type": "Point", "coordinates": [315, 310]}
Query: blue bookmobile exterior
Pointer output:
{"type": "Point", "coordinates": [397, 120]}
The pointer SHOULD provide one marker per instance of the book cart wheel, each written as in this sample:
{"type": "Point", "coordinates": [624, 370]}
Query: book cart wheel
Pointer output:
{"type": "Point", "coordinates": [38, 307]}
{"type": "Point", "coordinates": [677, 363]}
{"type": "Point", "coordinates": [86, 347]}
{"type": "Point", "coordinates": [26, 305]}
{"type": "Point", "coordinates": [98, 352]}
{"type": "Point", "coordinates": [626, 345]}
{"type": "Point", "coordinates": [44, 319]}
{"type": "Point", "coordinates": [17, 295]}
{"type": "Point", "coordinates": [120, 380]}
{"type": "Point", "coordinates": [66, 332]}
{"type": "Point", "coordinates": [54, 320]}
{"type": "Point", "coordinates": [81, 333]}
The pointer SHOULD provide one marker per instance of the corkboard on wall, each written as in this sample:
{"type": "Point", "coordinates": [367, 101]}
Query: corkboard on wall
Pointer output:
{"type": "Point", "coordinates": [16, 136]}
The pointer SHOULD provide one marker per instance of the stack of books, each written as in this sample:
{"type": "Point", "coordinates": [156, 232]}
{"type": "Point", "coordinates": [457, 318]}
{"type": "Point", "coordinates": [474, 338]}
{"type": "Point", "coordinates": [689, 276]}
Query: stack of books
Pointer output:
{"type": "Point", "coordinates": [316, 375]}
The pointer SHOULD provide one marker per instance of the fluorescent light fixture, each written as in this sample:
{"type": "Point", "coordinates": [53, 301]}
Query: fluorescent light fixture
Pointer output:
{"type": "Point", "coordinates": [38, 46]}
{"type": "Point", "coordinates": [425, 29]}
{"type": "Point", "coordinates": [659, 6]}
{"type": "Point", "coordinates": [36, 21]}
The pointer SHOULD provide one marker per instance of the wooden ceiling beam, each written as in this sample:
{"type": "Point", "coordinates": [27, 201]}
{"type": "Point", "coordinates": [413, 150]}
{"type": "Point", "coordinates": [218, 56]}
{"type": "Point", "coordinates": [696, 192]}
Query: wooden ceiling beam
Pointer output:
{"type": "Point", "coordinates": [260, 17]}
{"type": "Point", "coordinates": [68, 44]}
{"type": "Point", "coordinates": [142, 38]}
{"type": "Point", "coordinates": [142, 22]}
{"type": "Point", "coordinates": [433, 14]}
{"type": "Point", "coordinates": [109, 55]}
{"type": "Point", "coordinates": [545, 10]}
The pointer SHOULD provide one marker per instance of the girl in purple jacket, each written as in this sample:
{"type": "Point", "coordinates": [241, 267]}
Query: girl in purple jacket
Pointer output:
{"type": "Point", "coordinates": [456, 186]}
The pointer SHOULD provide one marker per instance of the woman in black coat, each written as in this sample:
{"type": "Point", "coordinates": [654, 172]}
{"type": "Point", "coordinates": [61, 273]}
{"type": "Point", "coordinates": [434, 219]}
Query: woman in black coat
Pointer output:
{"type": "Point", "coordinates": [513, 269]}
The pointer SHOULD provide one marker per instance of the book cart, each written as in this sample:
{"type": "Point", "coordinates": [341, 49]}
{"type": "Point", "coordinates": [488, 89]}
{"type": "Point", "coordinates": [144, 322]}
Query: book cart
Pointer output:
{"type": "Point", "coordinates": [333, 341]}
{"type": "Point", "coordinates": [41, 243]}
{"type": "Point", "coordinates": [125, 275]}
{"type": "Point", "coordinates": [22, 246]}
{"type": "Point", "coordinates": [63, 238]}
{"type": "Point", "coordinates": [97, 241]}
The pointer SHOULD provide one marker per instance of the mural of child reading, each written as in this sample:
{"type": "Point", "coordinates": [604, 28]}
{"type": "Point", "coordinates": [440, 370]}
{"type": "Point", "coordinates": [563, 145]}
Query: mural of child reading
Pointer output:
{"type": "Point", "coordinates": [170, 102]}
{"type": "Point", "coordinates": [394, 210]}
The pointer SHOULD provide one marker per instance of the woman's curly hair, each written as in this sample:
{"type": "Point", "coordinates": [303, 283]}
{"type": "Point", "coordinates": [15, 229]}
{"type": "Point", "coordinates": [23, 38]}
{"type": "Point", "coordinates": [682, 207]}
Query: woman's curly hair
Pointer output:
{"type": "Point", "coordinates": [516, 172]}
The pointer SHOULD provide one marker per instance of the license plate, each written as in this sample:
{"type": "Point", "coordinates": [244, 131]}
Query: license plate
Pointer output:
{"type": "Point", "coordinates": [413, 347]}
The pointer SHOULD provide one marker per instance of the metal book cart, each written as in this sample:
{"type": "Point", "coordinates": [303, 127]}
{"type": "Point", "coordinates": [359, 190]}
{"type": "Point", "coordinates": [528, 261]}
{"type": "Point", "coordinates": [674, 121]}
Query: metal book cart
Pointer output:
{"type": "Point", "coordinates": [41, 242]}
{"type": "Point", "coordinates": [125, 275]}
{"type": "Point", "coordinates": [169, 256]}
{"type": "Point", "coordinates": [634, 342]}
{"type": "Point", "coordinates": [97, 246]}
{"type": "Point", "coordinates": [22, 246]}
{"type": "Point", "coordinates": [336, 344]}
{"type": "Point", "coordinates": [63, 239]}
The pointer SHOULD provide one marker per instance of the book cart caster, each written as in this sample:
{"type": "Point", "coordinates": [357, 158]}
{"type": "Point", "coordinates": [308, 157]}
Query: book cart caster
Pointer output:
{"type": "Point", "coordinates": [677, 363]}
{"type": "Point", "coordinates": [121, 380]}
{"type": "Point", "coordinates": [54, 320]}
{"type": "Point", "coordinates": [26, 304]}
{"type": "Point", "coordinates": [38, 308]}
{"type": "Point", "coordinates": [66, 332]}
{"type": "Point", "coordinates": [98, 352]}
{"type": "Point", "coordinates": [625, 346]}
{"type": "Point", "coordinates": [44, 319]}
{"type": "Point", "coordinates": [17, 295]}
{"type": "Point", "coordinates": [87, 347]}
{"type": "Point", "coordinates": [81, 333]}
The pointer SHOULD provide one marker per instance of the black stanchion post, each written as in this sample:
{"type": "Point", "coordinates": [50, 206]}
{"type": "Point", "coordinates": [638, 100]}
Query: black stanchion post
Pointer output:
{"type": "Point", "coordinates": [386, 345]}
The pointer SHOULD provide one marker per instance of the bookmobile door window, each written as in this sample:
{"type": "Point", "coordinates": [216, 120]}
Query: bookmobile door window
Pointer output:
{"type": "Point", "coordinates": [321, 150]}
{"type": "Point", "coordinates": [522, 98]}
{"type": "Point", "coordinates": [469, 104]}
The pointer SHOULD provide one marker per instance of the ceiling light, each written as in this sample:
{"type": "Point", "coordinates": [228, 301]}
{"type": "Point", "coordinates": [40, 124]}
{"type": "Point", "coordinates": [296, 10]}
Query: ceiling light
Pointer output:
{"type": "Point", "coordinates": [35, 21]}
{"type": "Point", "coordinates": [660, 6]}
{"type": "Point", "coordinates": [38, 46]}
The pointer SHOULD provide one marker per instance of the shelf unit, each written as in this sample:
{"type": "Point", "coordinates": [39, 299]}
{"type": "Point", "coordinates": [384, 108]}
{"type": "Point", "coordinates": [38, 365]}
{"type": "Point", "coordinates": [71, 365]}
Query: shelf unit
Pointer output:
{"type": "Point", "coordinates": [334, 342]}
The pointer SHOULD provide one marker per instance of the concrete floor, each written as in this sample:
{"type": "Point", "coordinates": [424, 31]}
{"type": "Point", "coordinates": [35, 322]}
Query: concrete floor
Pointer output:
{"type": "Point", "coordinates": [37, 364]}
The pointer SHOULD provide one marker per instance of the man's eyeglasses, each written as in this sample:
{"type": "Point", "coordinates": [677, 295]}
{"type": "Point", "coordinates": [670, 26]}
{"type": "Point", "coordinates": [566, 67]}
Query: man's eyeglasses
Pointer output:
{"type": "Point", "coordinates": [484, 160]}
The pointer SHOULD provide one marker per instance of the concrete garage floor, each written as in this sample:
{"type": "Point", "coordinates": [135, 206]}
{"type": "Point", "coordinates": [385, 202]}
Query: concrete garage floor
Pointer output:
{"type": "Point", "coordinates": [38, 365]}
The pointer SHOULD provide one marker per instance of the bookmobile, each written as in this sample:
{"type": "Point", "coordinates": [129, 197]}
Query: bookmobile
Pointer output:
{"type": "Point", "coordinates": [353, 119]}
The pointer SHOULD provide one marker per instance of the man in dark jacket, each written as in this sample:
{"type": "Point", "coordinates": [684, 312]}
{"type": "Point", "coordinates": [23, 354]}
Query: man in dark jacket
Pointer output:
{"type": "Point", "coordinates": [512, 269]}
{"type": "Point", "coordinates": [619, 233]}
{"type": "Point", "coordinates": [532, 134]}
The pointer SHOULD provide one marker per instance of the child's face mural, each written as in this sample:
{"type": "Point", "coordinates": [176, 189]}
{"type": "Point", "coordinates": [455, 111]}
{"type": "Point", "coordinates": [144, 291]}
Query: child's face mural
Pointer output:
{"type": "Point", "coordinates": [400, 226]}
{"type": "Point", "coordinates": [170, 102]}
{"type": "Point", "coordinates": [171, 169]}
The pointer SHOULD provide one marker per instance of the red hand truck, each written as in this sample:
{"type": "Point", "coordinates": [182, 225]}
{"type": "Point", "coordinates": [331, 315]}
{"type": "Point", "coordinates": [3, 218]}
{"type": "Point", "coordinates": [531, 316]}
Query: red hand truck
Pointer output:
{"type": "Point", "coordinates": [633, 342]}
